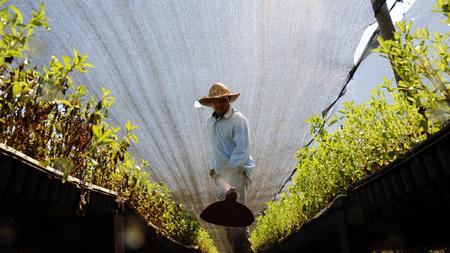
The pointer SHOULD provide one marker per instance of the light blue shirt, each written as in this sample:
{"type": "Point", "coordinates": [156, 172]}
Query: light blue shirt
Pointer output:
{"type": "Point", "coordinates": [230, 141]}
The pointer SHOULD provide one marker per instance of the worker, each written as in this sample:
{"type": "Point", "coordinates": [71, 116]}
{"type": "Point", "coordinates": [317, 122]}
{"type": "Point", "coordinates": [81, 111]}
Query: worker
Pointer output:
{"type": "Point", "coordinates": [229, 137]}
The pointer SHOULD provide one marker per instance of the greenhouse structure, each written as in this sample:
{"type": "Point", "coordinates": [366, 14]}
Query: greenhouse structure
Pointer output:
{"type": "Point", "coordinates": [106, 142]}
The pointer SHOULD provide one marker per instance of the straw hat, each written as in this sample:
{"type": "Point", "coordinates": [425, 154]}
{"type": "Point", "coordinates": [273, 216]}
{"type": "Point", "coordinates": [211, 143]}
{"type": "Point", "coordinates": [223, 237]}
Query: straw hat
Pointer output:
{"type": "Point", "coordinates": [217, 91]}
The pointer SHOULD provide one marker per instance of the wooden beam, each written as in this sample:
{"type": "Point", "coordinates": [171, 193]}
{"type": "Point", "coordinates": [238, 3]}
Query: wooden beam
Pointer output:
{"type": "Point", "coordinates": [385, 24]}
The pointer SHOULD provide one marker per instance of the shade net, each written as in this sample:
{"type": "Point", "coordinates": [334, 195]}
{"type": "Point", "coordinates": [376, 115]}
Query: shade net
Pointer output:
{"type": "Point", "coordinates": [288, 59]}
{"type": "Point", "coordinates": [374, 68]}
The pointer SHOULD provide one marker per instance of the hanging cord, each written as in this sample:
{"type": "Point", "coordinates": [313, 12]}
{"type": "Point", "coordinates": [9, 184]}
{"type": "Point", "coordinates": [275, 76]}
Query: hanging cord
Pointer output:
{"type": "Point", "coordinates": [324, 114]}
{"type": "Point", "coordinates": [327, 110]}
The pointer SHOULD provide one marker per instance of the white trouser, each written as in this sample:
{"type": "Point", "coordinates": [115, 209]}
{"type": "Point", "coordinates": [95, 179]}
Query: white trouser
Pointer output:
{"type": "Point", "coordinates": [240, 180]}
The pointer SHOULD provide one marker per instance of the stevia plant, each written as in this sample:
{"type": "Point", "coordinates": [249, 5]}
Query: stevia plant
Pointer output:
{"type": "Point", "coordinates": [371, 135]}
{"type": "Point", "coordinates": [45, 115]}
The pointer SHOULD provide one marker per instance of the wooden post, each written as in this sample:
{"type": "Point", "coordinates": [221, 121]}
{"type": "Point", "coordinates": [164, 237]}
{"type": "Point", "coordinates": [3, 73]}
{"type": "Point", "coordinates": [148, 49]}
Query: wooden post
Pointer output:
{"type": "Point", "coordinates": [385, 24]}
{"type": "Point", "coordinates": [383, 18]}
{"type": "Point", "coordinates": [119, 227]}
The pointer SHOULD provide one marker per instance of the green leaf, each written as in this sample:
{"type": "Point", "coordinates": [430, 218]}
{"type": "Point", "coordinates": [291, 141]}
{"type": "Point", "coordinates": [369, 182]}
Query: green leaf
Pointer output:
{"type": "Point", "coordinates": [82, 90]}
{"type": "Point", "coordinates": [97, 131]}
{"type": "Point", "coordinates": [65, 165]}
{"type": "Point", "coordinates": [17, 13]}
{"type": "Point", "coordinates": [105, 92]}
{"type": "Point", "coordinates": [88, 65]}
{"type": "Point", "coordinates": [116, 129]}
{"type": "Point", "coordinates": [16, 89]}
{"type": "Point", "coordinates": [129, 127]}
{"type": "Point", "coordinates": [333, 120]}
{"type": "Point", "coordinates": [66, 60]}
{"type": "Point", "coordinates": [30, 32]}
{"type": "Point", "coordinates": [104, 137]}
{"type": "Point", "coordinates": [75, 54]}
{"type": "Point", "coordinates": [64, 102]}
{"type": "Point", "coordinates": [401, 26]}
{"type": "Point", "coordinates": [41, 10]}
{"type": "Point", "coordinates": [45, 163]}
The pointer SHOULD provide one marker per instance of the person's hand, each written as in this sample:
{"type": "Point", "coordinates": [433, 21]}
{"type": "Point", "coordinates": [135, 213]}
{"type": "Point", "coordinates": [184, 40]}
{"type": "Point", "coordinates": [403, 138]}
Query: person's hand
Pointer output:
{"type": "Point", "coordinates": [231, 194]}
{"type": "Point", "coordinates": [212, 173]}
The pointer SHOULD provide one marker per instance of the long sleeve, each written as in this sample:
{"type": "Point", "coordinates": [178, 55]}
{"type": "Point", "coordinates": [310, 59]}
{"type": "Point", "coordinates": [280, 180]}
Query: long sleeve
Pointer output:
{"type": "Point", "coordinates": [229, 139]}
{"type": "Point", "coordinates": [241, 152]}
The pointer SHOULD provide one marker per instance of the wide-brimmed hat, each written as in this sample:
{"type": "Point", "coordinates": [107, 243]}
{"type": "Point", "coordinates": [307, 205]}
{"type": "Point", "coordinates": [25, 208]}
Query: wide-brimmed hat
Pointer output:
{"type": "Point", "coordinates": [217, 91]}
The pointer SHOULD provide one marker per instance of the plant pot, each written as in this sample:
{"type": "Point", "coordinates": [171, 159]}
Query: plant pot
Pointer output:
{"type": "Point", "coordinates": [433, 165]}
{"type": "Point", "coordinates": [419, 172]}
{"type": "Point", "coordinates": [443, 152]}
{"type": "Point", "coordinates": [6, 166]}
{"type": "Point", "coordinates": [398, 183]}
{"type": "Point", "coordinates": [17, 179]}
{"type": "Point", "coordinates": [388, 188]}
{"type": "Point", "coordinates": [42, 188]}
{"type": "Point", "coordinates": [407, 177]}
{"type": "Point", "coordinates": [63, 194]}
{"type": "Point", "coordinates": [53, 190]}
{"type": "Point", "coordinates": [31, 184]}
{"type": "Point", "coordinates": [379, 192]}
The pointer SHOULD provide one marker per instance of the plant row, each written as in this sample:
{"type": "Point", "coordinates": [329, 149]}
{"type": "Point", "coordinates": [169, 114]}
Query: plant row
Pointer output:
{"type": "Point", "coordinates": [367, 136]}
{"type": "Point", "coordinates": [45, 115]}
